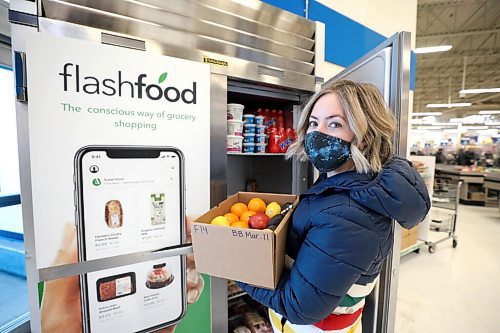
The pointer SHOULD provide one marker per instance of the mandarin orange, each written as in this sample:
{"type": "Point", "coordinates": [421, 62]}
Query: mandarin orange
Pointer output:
{"type": "Point", "coordinates": [246, 215]}
{"type": "Point", "coordinates": [257, 205]}
{"type": "Point", "coordinates": [238, 209]}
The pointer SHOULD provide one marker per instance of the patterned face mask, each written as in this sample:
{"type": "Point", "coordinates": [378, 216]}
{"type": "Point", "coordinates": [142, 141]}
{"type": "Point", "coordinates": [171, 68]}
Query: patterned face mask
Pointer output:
{"type": "Point", "coordinates": [326, 152]}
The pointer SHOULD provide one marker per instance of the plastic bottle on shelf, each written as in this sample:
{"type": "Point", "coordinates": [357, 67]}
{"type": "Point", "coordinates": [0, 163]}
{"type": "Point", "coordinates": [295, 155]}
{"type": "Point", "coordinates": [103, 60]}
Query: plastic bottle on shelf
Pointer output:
{"type": "Point", "coordinates": [288, 119]}
{"type": "Point", "coordinates": [267, 116]}
{"type": "Point", "coordinates": [286, 140]}
{"type": "Point", "coordinates": [273, 118]}
{"type": "Point", "coordinates": [274, 139]}
{"type": "Point", "coordinates": [280, 121]}
{"type": "Point", "coordinates": [259, 112]}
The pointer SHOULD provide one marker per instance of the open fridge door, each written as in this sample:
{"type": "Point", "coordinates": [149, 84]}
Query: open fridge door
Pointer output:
{"type": "Point", "coordinates": [388, 67]}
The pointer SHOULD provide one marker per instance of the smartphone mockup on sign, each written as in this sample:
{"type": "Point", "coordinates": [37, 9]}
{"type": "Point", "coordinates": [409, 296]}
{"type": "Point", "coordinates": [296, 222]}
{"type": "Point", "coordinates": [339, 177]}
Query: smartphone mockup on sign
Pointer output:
{"type": "Point", "coordinates": [131, 199]}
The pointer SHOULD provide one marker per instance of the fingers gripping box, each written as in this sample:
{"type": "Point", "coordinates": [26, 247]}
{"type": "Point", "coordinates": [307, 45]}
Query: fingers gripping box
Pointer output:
{"type": "Point", "coordinates": [249, 255]}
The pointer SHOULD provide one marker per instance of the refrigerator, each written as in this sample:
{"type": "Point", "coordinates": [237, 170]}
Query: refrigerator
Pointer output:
{"type": "Point", "coordinates": [259, 56]}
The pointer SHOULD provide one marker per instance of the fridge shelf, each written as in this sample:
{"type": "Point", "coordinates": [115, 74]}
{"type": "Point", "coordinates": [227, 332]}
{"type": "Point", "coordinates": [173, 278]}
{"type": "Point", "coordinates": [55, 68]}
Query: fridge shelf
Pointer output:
{"type": "Point", "coordinates": [237, 295]}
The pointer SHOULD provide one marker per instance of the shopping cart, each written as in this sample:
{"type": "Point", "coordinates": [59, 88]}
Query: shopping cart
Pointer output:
{"type": "Point", "coordinates": [444, 211]}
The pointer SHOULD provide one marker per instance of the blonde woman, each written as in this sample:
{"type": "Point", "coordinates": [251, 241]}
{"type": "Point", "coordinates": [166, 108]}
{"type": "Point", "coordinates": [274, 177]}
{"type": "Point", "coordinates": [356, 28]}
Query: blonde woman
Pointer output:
{"type": "Point", "coordinates": [341, 230]}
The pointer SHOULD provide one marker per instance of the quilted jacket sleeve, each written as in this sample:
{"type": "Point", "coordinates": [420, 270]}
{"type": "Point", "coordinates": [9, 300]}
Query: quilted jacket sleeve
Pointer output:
{"type": "Point", "coordinates": [335, 251]}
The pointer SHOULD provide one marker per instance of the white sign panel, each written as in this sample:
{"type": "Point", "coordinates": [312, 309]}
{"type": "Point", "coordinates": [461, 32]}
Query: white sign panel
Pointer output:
{"type": "Point", "coordinates": [112, 132]}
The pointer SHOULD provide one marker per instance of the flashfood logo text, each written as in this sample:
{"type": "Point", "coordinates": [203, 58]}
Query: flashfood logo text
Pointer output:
{"type": "Point", "coordinates": [74, 81]}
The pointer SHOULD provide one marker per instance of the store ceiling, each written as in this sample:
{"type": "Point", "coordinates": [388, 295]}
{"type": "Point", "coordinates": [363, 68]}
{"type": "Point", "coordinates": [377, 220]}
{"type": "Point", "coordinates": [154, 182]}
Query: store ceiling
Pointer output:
{"type": "Point", "coordinates": [472, 27]}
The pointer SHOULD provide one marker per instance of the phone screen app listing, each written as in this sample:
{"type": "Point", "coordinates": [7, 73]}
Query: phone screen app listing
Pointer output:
{"type": "Point", "coordinates": [130, 204]}
{"type": "Point", "coordinates": [153, 288]}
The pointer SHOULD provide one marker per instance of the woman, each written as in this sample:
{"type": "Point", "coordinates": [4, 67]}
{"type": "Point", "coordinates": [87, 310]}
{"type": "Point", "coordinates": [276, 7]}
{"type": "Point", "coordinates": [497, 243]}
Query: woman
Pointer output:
{"type": "Point", "coordinates": [341, 230]}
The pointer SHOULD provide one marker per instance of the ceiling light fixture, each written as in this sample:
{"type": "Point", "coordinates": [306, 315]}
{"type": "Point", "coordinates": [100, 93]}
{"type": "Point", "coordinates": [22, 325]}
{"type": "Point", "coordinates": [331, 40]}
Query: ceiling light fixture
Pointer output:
{"type": "Point", "coordinates": [489, 112]}
{"type": "Point", "coordinates": [429, 127]}
{"type": "Point", "coordinates": [432, 49]}
{"type": "Point", "coordinates": [423, 114]}
{"type": "Point", "coordinates": [448, 105]}
{"type": "Point", "coordinates": [444, 124]}
{"type": "Point", "coordinates": [479, 91]}
{"type": "Point", "coordinates": [471, 128]}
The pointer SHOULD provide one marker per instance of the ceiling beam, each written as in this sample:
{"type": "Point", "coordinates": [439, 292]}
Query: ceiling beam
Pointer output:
{"type": "Point", "coordinates": [460, 33]}
{"type": "Point", "coordinates": [472, 54]}
{"type": "Point", "coordinates": [487, 98]}
{"type": "Point", "coordinates": [437, 4]}
{"type": "Point", "coordinates": [470, 67]}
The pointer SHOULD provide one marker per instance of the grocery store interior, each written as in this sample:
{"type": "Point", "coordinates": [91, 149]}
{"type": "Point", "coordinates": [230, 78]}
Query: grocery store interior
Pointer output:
{"type": "Point", "coordinates": [444, 270]}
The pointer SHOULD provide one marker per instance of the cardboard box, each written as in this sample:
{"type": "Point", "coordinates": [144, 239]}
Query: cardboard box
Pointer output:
{"type": "Point", "coordinates": [477, 196]}
{"type": "Point", "coordinates": [249, 255]}
{"type": "Point", "coordinates": [404, 242]}
{"type": "Point", "coordinates": [409, 237]}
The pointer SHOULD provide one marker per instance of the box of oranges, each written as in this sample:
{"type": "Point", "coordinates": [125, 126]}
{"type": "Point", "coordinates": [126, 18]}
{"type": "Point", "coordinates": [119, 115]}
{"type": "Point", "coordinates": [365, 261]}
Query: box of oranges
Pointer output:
{"type": "Point", "coordinates": [243, 238]}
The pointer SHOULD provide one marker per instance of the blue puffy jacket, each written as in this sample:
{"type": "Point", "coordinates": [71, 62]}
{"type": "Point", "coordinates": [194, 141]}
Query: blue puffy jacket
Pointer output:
{"type": "Point", "coordinates": [340, 235]}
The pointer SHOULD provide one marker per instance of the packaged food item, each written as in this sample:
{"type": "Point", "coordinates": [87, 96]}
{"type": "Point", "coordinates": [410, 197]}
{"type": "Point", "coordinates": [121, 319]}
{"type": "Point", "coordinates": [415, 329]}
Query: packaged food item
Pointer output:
{"type": "Point", "coordinates": [249, 138]}
{"type": "Point", "coordinates": [235, 127]}
{"type": "Point", "coordinates": [115, 286]}
{"type": "Point", "coordinates": [113, 214]}
{"type": "Point", "coordinates": [260, 138]}
{"type": "Point", "coordinates": [159, 277]}
{"type": "Point", "coordinates": [249, 128]}
{"type": "Point", "coordinates": [267, 116]}
{"type": "Point", "coordinates": [260, 148]}
{"type": "Point", "coordinates": [273, 119]}
{"type": "Point", "coordinates": [234, 143]}
{"type": "Point", "coordinates": [280, 120]}
{"type": "Point", "coordinates": [237, 307]}
{"type": "Point", "coordinates": [257, 323]}
{"type": "Point", "coordinates": [260, 129]}
{"type": "Point", "coordinates": [287, 140]}
{"type": "Point", "coordinates": [157, 208]}
{"type": "Point", "coordinates": [235, 111]}
{"type": "Point", "coordinates": [248, 118]}
{"type": "Point", "coordinates": [249, 147]}
{"type": "Point", "coordinates": [274, 139]}
{"type": "Point", "coordinates": [259, 120]}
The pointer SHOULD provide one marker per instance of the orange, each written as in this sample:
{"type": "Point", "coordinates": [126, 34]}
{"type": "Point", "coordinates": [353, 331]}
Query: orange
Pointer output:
{"type": "Point", "coordinates": [246, 215]}
{"type": "Point", "coordinates": [220, 220]}
{"type": "Point", "coordinates": [231, 217]}
{"type": "Point", "coordinates": [238, 209]}
{"type": "Point", "coordinates": [257, 205]}
{"type": "Point", "coordinates": [240, 224]}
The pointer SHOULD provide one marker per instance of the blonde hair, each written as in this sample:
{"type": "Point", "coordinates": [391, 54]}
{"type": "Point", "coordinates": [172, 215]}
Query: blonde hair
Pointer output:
{"type": "Point", "coordinates": [368, 117]}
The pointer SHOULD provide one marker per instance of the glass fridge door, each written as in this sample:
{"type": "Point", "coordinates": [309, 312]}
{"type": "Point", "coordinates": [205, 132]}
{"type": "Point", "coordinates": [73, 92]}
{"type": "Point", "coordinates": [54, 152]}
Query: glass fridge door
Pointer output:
{"type": "Point", "coordinates": [388, 67]}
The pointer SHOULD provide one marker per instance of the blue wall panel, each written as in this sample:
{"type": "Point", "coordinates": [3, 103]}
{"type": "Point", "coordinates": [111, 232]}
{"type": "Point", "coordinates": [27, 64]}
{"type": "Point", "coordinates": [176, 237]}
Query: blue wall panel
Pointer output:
{"type": "Point", "coordinates": [413, 66]}
{"type": "Point", "coordinates": [294, 6]}
{"type": "Point", "coordinates": [345, 39]}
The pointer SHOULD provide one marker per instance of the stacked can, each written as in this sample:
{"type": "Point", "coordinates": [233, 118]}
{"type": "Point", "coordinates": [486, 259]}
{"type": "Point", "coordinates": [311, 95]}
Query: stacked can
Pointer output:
{"type": "Point", "coordinates": [234, 127]}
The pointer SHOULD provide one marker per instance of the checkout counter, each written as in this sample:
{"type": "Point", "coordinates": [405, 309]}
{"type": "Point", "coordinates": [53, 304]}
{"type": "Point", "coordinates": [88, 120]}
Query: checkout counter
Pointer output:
{"type": "Point", "coordinates": [475, 184]}
{"type": "Point", "coordinates": [492, 182]}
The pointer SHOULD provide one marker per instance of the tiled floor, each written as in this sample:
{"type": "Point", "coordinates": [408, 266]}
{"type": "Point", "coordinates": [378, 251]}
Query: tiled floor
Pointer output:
{"type": "Point", "coordinates": [13, 297]}
{"type": "Point", "coordinates": [454, 290]}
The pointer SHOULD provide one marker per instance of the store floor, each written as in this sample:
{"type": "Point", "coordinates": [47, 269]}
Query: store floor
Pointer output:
{"type": "Point", "coordinates": [454, 290]}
